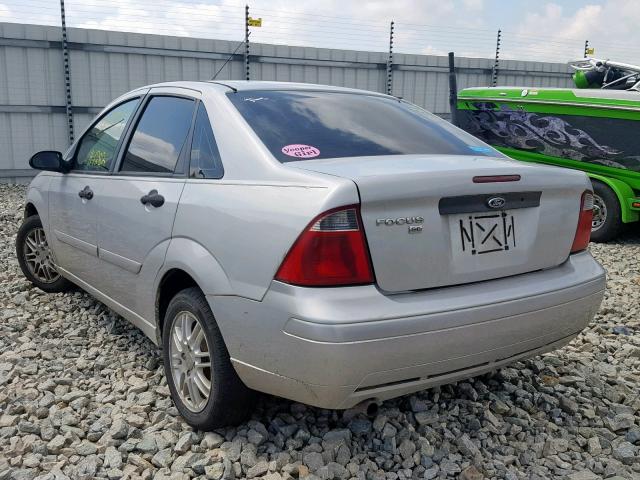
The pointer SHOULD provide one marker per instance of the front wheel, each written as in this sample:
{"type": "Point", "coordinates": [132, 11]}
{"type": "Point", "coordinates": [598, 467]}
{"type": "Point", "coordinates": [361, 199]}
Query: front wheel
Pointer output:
{"type": "Point", "coordinates": [204, 385]}
{"type": "Point", "coordinates": [35, 257]}
{"type": "Point", "coordinates": [607, 214]}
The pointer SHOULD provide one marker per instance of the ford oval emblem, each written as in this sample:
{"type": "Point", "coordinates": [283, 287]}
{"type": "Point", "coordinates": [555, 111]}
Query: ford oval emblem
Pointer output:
{"type": "Point", "coordinates": [496, 202]}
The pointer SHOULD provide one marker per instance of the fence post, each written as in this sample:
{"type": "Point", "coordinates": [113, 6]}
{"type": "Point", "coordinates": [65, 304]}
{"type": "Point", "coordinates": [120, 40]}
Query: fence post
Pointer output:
{"type": "Point", "coordinates": [496, 62]}
{"type": "Point", "coordinates": [453, 89]}
{"type": "Point", "coordinates": [67, 73]}
{"type": "Point", "coordinates": [390, 61]}
{"type": "Point", "coordinates": [586, 48]}
{"type": "Point", "coordinates": [246, 41]}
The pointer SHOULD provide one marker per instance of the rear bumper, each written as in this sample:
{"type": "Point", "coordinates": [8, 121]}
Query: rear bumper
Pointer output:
{"type": "Point", "coordinates": [333, 348]}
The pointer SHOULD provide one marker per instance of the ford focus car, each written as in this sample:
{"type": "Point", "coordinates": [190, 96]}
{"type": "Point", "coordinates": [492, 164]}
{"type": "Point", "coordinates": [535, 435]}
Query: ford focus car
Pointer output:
{"type": "Point", "coordinates": [327, 245]}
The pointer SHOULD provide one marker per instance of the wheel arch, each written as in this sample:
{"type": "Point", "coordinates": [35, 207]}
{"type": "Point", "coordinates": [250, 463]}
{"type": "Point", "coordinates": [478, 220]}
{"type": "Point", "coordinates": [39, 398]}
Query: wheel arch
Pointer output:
{"type": "Point", "coordinates": [30, 210]}
{"type": "Point", "coordinates": [623, 191]}
{"type": "Point", "coordinates": [173, 281]}
{"type": "Point", "coordinates": [37, 201]}
{"type": "Point", "coordinates": [187, 264]}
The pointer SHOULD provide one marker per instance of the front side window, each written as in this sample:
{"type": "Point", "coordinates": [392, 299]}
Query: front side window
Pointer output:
{"type": "Point", "coordinates": [307, 125]}
{"type": "Point", "coordinates": [159, 136]}
{"type": "Point", "coordinates": [205, 158]}
{"type": "Point", "coordinates": [97, 149]}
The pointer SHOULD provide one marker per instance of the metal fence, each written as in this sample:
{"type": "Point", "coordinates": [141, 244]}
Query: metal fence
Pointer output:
{"type": "Point", "coordinates": [40, 91]}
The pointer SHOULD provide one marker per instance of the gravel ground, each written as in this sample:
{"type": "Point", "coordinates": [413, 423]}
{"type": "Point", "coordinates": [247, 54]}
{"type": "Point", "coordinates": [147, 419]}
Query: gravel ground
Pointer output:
{"type": "Point", "coordinates": [83, 395]}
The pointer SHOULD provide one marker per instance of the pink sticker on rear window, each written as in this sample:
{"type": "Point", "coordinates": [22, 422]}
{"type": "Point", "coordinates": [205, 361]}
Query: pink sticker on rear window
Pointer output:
{"type": "Point", "coordinates": [300, 151]}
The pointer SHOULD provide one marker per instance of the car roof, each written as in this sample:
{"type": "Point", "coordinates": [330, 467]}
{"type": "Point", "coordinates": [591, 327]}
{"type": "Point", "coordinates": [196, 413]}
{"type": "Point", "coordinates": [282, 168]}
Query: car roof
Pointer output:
{"type": "Point", "coordinates": [248, 85]}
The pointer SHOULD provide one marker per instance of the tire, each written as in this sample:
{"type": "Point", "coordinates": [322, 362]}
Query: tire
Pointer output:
{"type": "Point", "coordinates": [607, 214]}
{"type": "Point", "coordinates": [38, 267]}
{"type": "Point", "coordinates": [230, 401]}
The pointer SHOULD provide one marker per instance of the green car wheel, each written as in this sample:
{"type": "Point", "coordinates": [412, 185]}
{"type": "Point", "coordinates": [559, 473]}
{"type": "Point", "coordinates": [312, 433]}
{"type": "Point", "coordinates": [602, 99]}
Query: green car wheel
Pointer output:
{"type": "Point", "coordinates": [607, 217]}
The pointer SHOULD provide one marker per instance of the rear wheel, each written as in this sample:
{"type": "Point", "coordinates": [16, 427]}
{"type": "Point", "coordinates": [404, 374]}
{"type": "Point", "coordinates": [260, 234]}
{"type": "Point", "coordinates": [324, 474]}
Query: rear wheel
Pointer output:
{"type": "Point", "coordinates": [35, 257]}
{"type": "Point", "coordinates": [204, 385]}
{"type": "Point", "coordinates": [607, 215]}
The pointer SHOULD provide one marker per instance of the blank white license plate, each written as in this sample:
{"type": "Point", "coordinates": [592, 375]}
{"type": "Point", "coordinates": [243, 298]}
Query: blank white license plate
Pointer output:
{"type": "Point", "coordinates": [484, 233]}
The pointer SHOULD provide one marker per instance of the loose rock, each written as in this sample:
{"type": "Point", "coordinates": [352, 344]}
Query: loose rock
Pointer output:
{"type": "Point", "coordinates": [83, 395]}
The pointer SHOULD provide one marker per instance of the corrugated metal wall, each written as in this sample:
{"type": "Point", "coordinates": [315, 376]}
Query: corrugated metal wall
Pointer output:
{"type": "Point", "coordinates": [105, 64]}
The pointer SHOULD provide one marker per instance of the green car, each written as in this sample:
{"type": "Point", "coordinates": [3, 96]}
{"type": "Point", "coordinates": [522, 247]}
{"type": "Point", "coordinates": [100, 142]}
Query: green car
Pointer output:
{"type": "Point", "coordinates": [594, 128]}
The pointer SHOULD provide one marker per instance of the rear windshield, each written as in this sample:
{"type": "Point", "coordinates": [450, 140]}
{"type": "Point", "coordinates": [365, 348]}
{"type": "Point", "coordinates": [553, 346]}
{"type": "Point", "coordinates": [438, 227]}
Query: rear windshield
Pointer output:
{"type": "Point", "coordinates": [307, 125]}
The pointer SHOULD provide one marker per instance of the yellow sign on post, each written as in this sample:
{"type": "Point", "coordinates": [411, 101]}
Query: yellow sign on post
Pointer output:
{"type": "Point", "coordinates": [255, 22]}
{"type": "Point", "coordinates": [590, 51]}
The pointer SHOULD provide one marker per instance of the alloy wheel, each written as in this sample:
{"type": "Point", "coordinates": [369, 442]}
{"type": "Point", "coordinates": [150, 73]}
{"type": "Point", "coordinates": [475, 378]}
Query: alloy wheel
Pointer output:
{"type": "Point", "coordinates": [599, 213]}
{"type": "Point", "coordinates": [190, 361]}
{"type": "Point", "coordinates": [37, 256]}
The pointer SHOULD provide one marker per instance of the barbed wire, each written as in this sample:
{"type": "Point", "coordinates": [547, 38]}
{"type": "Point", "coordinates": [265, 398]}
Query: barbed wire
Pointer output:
{"type": "Point", "coordinates": [225, 21]}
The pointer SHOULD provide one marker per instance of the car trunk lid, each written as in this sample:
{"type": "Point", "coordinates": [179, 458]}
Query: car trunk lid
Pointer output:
{"type": "Point", "coordinates": [429, 224]}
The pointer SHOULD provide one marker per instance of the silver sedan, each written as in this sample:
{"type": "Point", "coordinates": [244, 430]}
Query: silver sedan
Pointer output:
{"type": "Point", "coordinates": [327, 245]}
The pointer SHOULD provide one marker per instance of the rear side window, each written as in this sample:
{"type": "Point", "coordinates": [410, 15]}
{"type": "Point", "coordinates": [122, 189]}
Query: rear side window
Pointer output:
{"type": "Point", "coordinates": [97, 149]}
{"type": "Point", "coordinates": [306, 125]}
{"type": "Point", "coordinates": [205, 158]}
{"type": "Point", "coordinates": [159, 136]}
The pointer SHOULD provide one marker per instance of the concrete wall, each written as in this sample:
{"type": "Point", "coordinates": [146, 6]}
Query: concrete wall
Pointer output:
{"type": "Point", "coordinates": [105, 64]}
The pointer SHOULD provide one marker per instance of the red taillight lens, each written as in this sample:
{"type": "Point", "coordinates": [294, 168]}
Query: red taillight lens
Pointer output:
{"type": "Point", "coordinates": [583, 232]}
{"type": "Point", "coordinates": [331, 251]}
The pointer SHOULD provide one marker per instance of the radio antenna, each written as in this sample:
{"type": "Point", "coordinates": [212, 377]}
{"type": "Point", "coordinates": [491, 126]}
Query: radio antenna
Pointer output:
{"type": "Point", "coordinates": [230, 57]}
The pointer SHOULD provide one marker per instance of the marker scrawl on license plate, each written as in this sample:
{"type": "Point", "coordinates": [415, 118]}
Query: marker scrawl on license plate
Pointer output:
{"type": "Point", "coordinates": [486, 233]}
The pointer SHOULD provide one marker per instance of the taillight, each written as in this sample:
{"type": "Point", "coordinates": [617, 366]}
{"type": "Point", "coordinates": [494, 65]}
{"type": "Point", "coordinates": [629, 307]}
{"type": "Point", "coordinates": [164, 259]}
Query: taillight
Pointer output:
{"type": "Point", "coordinates": [331, 251]}
{"type": "Point", "coordinates": [583, 232]}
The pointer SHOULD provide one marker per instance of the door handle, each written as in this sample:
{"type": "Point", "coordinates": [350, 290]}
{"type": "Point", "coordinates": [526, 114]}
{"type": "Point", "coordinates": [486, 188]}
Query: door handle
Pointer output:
{"type": "Point", "coordinates": [152, 198]}
{"type": "Point", "coordinates": [86, 193]}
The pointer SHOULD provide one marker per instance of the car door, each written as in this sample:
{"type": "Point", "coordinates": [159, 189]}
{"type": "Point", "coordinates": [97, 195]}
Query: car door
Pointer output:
{"type": "Point", "coordinates": [140, 200]}
{"type": "Point", "coordinates": [74, 197]}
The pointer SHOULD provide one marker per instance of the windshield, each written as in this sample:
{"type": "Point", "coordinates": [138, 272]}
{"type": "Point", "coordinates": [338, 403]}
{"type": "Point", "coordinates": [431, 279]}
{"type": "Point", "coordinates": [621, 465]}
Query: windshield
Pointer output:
{"type": "Point", "coordinates": [305, 125]}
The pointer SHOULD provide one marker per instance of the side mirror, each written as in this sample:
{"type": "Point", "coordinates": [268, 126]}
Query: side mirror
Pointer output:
{"type": "Point", "coordinates": [48, 160]}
